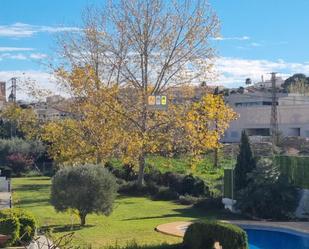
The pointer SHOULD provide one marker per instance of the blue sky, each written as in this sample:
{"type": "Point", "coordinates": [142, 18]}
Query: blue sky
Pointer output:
{"type": "Point", "coordinates": [258, 36]}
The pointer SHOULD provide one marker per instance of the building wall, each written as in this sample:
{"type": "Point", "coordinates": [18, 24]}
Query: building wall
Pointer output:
{"type": "Point", "coordinates": [293, 119]}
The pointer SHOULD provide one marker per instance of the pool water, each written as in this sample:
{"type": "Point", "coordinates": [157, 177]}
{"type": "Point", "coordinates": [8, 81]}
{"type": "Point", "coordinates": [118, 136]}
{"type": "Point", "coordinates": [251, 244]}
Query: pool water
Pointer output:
{"type": "Point", "coordinates": [265, 239]}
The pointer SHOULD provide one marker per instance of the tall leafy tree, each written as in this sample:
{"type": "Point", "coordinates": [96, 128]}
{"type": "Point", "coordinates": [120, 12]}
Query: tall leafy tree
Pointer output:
{"type": "Point", "coordinates": [245, 162]}
{"type": "Point", "coordinates": [145, 47]}
{"type": "Point", "coordinates": [298, 83]}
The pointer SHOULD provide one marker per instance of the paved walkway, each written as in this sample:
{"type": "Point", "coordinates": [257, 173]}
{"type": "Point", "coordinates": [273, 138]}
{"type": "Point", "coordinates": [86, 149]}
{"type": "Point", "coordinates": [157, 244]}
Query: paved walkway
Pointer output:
{"type": "Point", "coordinates": [41, 243]}
{"type": "Point", "coordinates": [5, 200]}
{"type": "Point", "coordinates": [178, 228]}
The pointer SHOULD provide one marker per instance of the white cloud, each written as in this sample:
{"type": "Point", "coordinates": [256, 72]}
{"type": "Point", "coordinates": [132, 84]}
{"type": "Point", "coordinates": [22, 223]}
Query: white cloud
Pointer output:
{"type": "Point", "coordinates": [230, 72]}
{"type": "Point", "coordinates": [11, 56]}
{"type": "Point", "coordinates": [38, 56]}
{"type": "Point", "coordinates": [255, 44]}
{"type": "Point", "coordinates": [17, 56]}
{"type": "Point", "coordinates": [18, 30]}
{"type": "Point", "coordinates": [14, 49]}
{"type": "Point", "coordinates": [241, 38]}
{"type": "Point", "coordinates": [234, 71]}
{"type": "Point", "coordinates": [22, 56]}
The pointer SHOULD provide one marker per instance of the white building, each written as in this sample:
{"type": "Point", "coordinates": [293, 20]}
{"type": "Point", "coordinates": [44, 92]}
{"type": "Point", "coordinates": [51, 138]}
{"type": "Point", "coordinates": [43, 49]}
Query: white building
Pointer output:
{"type": "Point", "coordinates": [254, 110]}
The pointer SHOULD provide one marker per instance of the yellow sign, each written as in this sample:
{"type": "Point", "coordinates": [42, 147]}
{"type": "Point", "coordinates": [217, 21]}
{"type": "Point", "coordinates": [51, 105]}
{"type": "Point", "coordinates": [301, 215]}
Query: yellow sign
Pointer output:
{"type": "Point", "coordinates": [163, 100]}
{"type": "Point", "coordinates": [151, 100]}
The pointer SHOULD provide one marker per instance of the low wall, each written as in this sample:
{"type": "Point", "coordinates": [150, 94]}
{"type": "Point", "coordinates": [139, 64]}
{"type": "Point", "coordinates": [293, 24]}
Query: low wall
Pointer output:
{"type": "Point", "coordinates": [302, 210]}
{"type": "Point", "coordinates": [4, 184]}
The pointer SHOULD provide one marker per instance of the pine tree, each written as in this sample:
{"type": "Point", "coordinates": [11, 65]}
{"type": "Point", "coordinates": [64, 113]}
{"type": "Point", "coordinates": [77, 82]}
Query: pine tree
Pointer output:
{"type": "Point", "coordinates": [245, 163]}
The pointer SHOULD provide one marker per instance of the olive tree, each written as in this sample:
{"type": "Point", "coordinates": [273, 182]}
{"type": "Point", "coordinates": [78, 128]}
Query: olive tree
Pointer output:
{"type": "Point", "coordinates": [87, 189]}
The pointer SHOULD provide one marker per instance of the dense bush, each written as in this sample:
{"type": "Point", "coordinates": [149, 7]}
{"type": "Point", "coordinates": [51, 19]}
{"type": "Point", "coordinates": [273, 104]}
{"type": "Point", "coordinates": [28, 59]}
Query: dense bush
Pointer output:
{"type": "Point", "coordinates": [188, 200]}
{"type": "Point", "coordinates": [268, 195]}
{"type": "Point", "coordinates": [87, 189]}
{"type": "Point", "coordinates": [19, 155]}
{"type": "Point", "coordinates": [166, 194]}
{"type": "Point", "coordinates": [161, 186]}
{"type": "Point", "coordinates": [203, 235]}
{"type": "Point", "coordinates": [180, 183]}
{"type": "Point", "coordinates": [26, 220]}
{"type": "Point", "coordinates": [19, 163]}
{"type": "Point", "coordinates": [132, 189]}
{"type": "Point", "coordinates": [210, 204]}
{"type": "Point", "coordinates": [126, 172]}
{"type": "Point", "coordinates": [10, 226]}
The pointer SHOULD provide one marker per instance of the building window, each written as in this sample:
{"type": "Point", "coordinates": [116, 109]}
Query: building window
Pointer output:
{"type": "Point", "coordinates": [307, 133]}
{"type": "Point", "coordinates": [294, 132]}
{"type": "Point", "coordinates": [258, 131]}
{"type": "Point", "coordinates": [234, 134]}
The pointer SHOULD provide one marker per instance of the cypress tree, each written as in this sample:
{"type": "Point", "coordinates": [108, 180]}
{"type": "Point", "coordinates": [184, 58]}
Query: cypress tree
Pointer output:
{"type": "Point", "coordinates": [245, 163]}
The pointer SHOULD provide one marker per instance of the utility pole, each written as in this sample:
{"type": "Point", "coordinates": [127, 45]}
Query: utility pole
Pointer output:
{"type": "Point", "coordinates": [12, 99]}
{"type": "Point", "coordinates": [12, 96]}
{"type": "Point", "coordinates": [274, 113]}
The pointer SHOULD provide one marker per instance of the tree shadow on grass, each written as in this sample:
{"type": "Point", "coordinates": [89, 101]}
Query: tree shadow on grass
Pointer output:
{"type": "Point", "coordinates": [28, 187]}
{"type": "Point", "coordinates": [189, 212]}
{"type": "Point", "coordinates": [192, 213]}
{"type": "Point", "coordinates": [65, 228]}
{"type": "Point", "coordinates": [33, 202]}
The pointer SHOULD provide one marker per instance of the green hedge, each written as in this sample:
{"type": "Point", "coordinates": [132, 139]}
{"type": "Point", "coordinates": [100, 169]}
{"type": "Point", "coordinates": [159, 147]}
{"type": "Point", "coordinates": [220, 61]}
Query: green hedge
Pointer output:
{"type": "Point", "coordinates": [295, 168]}
{"type": "Point", "coordinates": [26, 220]}
{"type": "Point", "coordinates": [10, 226]}
{"type": "Point", "coordinates": [203, 235]}
{"type": "Point", "coordinates": [228, 182]}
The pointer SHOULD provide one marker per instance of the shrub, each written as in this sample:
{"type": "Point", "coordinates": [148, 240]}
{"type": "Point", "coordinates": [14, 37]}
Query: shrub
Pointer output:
{"type": "Point", "coordinates": [20, 154]}
{"type": "Point", "coordinates": [166, 194]}
{"type": "Point", "coordinates": [19, 163]}
{"type": "Point", "coordinates": [131, 188]}
{"type": "Point", "coordinates": [126, 172]}
{"type": "Point", "coordinates": [182, 184]}
{"type": "Point", "coordinates": [87, 189]}
{"type": "Point", "coordinates": [203, 235]}
{"type": "Point", "coordinates": [210, 204]}
{"type": "Point", "coordinates": [188, 200]}
{"type": "Point", "coordinates": [10, 226]}
{"type": "Point", "coordinates": [26, 220]}
{"type": "Point", "coordinates": [269, 194]}
{"type": "Point", "coordinates": [194, 186]}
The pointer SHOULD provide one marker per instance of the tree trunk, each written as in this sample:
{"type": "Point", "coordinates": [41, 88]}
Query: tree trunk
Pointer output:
{"type": "Point", "coordinates": [142, 156]}
{"type": "Point", "coordinates": [216, 157]}
{"type": "Point", "coordinates": [140, 179]}
{"type": "Point", "coordinates": [82, 217]}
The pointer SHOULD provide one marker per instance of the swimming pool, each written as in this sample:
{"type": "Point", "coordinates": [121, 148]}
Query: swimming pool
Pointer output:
{"type": "Point", "coordinates": [268, 239]}
{"type": "Point", "coordinates": [272, 238]}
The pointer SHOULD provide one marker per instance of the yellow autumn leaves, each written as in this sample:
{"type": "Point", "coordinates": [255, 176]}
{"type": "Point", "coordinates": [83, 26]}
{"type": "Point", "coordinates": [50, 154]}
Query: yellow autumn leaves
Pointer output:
{"type": "Point", "coordinates": [114, 122]}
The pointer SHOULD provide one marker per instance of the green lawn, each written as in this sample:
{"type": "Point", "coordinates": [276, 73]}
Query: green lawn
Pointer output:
{"type": "Point", "coordinates": [132, 219]}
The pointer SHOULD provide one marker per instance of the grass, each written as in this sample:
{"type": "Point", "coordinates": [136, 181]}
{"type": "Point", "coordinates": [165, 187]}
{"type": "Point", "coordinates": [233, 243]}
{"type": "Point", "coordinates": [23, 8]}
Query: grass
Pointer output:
{"type": "Point", "coordinates": [133, 219]}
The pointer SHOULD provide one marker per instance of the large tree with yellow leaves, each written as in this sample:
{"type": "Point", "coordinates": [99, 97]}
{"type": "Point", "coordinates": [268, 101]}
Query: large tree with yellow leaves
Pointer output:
{"type": "Point", "coordinates": [125, 52]}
